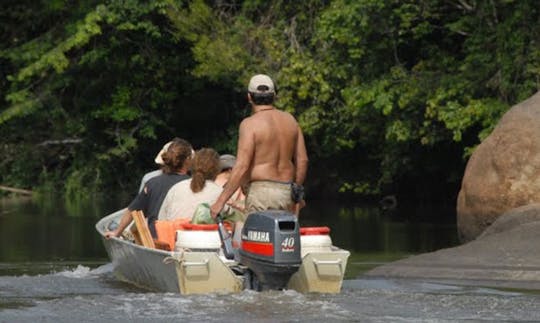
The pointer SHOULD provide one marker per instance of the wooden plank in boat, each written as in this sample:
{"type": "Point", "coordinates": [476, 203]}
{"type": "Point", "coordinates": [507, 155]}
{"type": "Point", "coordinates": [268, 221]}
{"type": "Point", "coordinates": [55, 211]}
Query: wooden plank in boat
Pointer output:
{"type": "Point", "coordinates": [142, 228]}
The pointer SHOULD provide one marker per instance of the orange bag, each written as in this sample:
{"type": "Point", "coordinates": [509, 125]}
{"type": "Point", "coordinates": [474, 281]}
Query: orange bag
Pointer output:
{"type": "Point", "coordinates": [166, 230]}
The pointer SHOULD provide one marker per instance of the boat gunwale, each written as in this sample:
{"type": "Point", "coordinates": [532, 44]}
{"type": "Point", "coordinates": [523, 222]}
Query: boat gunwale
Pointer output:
{"type": "Point", "coordinates": [102, 224]}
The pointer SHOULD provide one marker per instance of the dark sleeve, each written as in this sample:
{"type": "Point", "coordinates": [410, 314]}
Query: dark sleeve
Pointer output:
{"type": "Point", "coordinates": [139, 202]}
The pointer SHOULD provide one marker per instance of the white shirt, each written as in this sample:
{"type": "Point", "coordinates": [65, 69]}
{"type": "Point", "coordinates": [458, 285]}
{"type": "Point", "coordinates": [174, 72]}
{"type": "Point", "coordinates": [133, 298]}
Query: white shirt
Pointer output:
{"type": "Point", "coordinates": [181, 202]}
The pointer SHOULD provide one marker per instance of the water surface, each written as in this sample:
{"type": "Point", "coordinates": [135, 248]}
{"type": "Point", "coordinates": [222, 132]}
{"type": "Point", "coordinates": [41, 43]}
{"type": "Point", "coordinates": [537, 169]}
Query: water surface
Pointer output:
{"type": "Point", "coordinates": [82, 294]}
{"type": "Point", "coordinates": [53, 268]}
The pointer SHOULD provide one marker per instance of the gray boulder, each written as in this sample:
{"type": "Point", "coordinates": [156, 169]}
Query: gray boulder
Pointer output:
{"type": "Point", "coordinates": [503, 172]}
{"type": "Point", "coordinates": [507, 254]}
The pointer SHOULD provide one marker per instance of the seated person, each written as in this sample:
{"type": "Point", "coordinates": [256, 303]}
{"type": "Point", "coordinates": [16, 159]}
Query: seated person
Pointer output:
{"type": "Point", "coordinates": [159, 161]}
{"type": "Point", "coordinates": [226, 164]}
{"type": "Point", "coordinates": [183, 198]}
{"type": "Point", "coordinates": [176, 164]}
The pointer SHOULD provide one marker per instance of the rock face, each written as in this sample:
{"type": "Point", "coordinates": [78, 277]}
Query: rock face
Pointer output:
{"type": "Point", "coordinates": [507, 254]}
{"type": "Point", "coordinates": [503, 172]}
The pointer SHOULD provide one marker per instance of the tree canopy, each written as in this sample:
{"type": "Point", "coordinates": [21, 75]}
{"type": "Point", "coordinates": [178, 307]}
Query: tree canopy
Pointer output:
{"type": "Point", "coordinates": [392, 96]}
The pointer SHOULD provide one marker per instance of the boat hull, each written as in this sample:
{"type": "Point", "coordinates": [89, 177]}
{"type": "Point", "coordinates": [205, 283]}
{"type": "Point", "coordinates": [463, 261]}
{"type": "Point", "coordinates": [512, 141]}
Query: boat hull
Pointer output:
{"type": "Point", "coordinates": [190, 272]}
{"type": "Point", "coordinates": [138, 265]}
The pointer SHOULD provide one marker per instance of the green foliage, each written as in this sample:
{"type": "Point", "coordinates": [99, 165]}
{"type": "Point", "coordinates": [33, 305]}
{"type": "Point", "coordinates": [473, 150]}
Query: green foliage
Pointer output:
{"type": "Point", "coordinates": [406, 83]}
{"type": "Point", "coordinates": [385, 91]}
{"type": "Point", "coordinates": [102, 74]}
{"type": "Point", "coordinates": [80, 185]}
{"type": "Point", "coordinates": [55, 58]}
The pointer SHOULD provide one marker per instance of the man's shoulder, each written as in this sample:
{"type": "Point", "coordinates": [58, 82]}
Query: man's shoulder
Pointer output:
{"type": "Point", "coordinates": [285, 115]}
{"type": "Point", "coordinates": [155, 179]}
{"type": "Point", "coordinates": [249, 123]}
{"type": "Point", "coordinates": [152, 174]}
{"type": "Point", "coordinates": [257, 118]}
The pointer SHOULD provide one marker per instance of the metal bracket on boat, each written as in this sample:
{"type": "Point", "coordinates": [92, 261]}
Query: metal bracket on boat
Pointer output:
{"type": "Point", "coordinates": [333, 268]}
{"type": "Point", "coordinates": [195, 263]}
{"type": "Point", "coordinates": [176, 256]}
{"type": "Point", "coordinates": [168, 260]}
{"type": "Point", "coordinates": [196, 268]}
{"type": "Point", "coordinates": [190, 268]}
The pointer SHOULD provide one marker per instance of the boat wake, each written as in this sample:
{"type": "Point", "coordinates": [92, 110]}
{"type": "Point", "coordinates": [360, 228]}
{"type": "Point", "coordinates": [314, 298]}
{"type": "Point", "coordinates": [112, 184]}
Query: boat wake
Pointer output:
{"type": "Point", "coordinates": [70, 269]}
{"type": "Point", "coordinates": [82, 271]}
{"type": "Point", "coordinates": [82, 293]}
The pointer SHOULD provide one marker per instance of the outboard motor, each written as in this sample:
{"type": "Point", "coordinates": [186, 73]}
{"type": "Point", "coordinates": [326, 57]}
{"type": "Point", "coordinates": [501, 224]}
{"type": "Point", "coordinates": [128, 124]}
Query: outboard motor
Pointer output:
{"type": "Point", "coordinates": [271, 248]}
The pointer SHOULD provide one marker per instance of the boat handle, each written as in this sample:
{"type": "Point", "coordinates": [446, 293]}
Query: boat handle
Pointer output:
{"type": "Point", "coordinates": [328, 262]}
{"type": "Point", "coordinates": [195, 263]}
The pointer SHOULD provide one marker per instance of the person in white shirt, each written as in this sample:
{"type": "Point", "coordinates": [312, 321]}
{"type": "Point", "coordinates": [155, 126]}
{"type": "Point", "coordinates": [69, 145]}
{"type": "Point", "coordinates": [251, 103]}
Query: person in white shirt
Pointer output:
{"type": "Point", "coordinates": [184, 197]}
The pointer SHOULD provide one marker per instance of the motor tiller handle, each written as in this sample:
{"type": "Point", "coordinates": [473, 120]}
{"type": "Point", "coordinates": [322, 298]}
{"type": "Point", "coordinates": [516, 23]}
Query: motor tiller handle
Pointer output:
{"type": "Point", "coordinates": [226, 238]}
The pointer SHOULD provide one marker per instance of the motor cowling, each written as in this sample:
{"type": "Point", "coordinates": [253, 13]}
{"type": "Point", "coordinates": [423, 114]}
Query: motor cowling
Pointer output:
{"type": "Point", "coordinates": [271, 247]}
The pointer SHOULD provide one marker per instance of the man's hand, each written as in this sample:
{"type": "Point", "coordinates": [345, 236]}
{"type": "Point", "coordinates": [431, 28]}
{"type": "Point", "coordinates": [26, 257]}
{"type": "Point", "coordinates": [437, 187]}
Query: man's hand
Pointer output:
{"type": "Point", "coordinates": [298, 206]}
{"type": "Point", "coordinates": [110, 234]}
{"type": "Point", "coordinates": [215, 209]}
{"type": "Point", "coordinates": [240, 207]}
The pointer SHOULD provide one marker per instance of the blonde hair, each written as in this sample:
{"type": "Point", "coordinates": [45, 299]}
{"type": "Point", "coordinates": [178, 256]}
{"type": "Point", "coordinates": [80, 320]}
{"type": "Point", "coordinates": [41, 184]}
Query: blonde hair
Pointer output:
{"type": "Point", "coordinates": [205, 166]}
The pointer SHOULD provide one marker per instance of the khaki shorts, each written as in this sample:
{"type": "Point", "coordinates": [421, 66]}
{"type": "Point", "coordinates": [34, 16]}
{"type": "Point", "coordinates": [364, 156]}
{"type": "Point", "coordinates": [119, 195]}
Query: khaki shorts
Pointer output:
{"type": "Point", "coordinates": [269, 195]}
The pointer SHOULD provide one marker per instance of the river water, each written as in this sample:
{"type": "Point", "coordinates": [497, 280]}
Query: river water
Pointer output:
{"type": "Point", "coordinates": [53, 268]}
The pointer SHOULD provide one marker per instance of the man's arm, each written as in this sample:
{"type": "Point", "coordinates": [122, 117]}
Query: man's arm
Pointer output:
{"type": "Point", "coordinates": [300, 159]}
{"type": "Point", "coordinates": [124, 222]}
{"type": "Point", "coordinates": [244, 156]}
{"type": "Point", "coordinates": [126, 219]}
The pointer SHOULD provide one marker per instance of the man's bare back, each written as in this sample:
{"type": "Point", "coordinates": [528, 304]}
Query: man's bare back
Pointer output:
{"type": "Point", "coordinates": [272, 136]}
{"type": "Point", "coordinates": [270, 146]}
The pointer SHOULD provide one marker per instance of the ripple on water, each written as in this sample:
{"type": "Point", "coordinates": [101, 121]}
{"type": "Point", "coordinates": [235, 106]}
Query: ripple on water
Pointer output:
{"type": "Point", "coordinates": [94, 295]}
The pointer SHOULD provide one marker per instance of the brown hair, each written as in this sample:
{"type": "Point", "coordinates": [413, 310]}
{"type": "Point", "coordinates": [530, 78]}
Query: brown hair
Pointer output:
{"type": "Point", "coordinates": [205, 166]}
{"type": "Point", "coordinates": [176, 155]}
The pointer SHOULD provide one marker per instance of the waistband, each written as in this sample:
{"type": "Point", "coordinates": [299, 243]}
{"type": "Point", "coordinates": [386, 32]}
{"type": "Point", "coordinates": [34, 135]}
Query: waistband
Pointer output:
{"type": "Point", "coordinates": [270, 183]}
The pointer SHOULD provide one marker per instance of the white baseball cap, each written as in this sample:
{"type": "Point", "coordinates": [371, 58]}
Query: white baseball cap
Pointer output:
{"type": "Point", "coordinates": [258, 80]}
{"type": "Point", "coordinates": [158, 160]}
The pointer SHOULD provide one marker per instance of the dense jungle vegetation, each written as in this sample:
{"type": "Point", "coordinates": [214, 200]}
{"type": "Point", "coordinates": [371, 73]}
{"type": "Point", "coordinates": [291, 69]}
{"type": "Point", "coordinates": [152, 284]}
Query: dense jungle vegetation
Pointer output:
{"type": "Point", "coordinates": [393, 95]}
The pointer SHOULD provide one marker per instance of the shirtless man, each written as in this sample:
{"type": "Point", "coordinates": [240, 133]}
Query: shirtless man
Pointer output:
{"type": "Point", "coordinates": [271, 154]}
